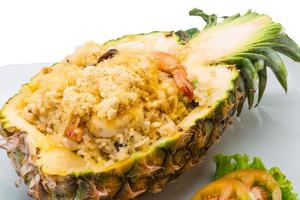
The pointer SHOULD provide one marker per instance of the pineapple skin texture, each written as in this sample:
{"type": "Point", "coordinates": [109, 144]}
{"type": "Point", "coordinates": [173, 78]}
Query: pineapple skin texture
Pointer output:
{"type": "Point", "coordinates": [133, 177]}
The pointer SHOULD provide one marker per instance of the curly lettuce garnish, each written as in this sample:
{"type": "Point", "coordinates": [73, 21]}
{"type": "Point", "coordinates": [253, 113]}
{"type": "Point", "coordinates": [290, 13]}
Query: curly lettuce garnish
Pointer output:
{"type": "Point", "coordinates": [228, 163]}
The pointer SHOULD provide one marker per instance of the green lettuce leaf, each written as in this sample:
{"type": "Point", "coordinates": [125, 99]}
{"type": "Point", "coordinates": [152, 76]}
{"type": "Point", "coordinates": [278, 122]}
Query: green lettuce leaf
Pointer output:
{"type": "Point", "coordinates": [229, 163]}
{"type": "Point", "coordinates": [226, 164]}
{"type": "Point", "coordinates": [285, 184]}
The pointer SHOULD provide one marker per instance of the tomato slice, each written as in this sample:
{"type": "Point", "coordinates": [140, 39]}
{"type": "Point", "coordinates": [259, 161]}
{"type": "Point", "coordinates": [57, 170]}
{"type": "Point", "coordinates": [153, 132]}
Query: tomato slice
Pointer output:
{"type": "Point", "coordinates": [223, 189]}
{"type": "Point", "coordinates": [259, 183]}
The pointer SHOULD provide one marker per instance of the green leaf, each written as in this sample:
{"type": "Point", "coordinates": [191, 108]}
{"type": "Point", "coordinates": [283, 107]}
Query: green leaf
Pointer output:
{"type": "Point", "coordinates": [274, 61]}
{"type": "Point", "coordinates": [185, 36]}
{"type": "Point", "coordinates": [262, 76]}
{"type": "Point", "coordinates": [228, 163]}
{"type": "Point", "coordinates": [259, 65]}
{"type": "Point", "coordinates": [287, 46]}
{"type": "Point", "coordinates": [210, 20]}
{"type": "Point", "coordinates": [223, 165]}
{"type": "Point", "coordinates": [249, 75]}
{"type": "Point", "coordinates": [229, 18]}
{"type": "Point", "coordinates": [285, 185]}
{"type": "Point", "coordinates": [192, 32]}
{"type": "Point", "coordinates": [242, 89]}
{"type": "Point", "coordinates": [260, 40]}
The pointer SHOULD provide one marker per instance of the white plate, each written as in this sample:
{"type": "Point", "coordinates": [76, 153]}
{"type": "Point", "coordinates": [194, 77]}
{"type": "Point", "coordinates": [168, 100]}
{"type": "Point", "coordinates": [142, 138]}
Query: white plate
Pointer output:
{"type": "Point", "coordinates": [270, 131]}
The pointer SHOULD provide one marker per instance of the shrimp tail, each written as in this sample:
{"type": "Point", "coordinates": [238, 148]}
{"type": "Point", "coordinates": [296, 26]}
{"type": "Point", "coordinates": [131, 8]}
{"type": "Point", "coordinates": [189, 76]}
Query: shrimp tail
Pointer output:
{"type": "Point", "coordinates": [183, 84]}
{"type": "Point", "coordinates": [169, 64]}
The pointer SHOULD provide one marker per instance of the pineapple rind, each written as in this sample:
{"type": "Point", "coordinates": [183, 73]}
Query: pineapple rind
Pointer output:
{"type": "Point", "coordinates": [144, 174]}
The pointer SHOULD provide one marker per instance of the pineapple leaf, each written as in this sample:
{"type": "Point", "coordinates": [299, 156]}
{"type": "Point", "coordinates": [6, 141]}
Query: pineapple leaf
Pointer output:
{"type": "Point", "coordinates": [185, 36]}
{"type": "Point", "coordinates": [288, 47]}
{"type": "Point", "coordinates": [251, 42]}
{"type": "Point", "coordinates": [242, 100]}
{"type": "Point", "coordinates": [229, 18]}
{"type": "Point", "coordinates": [262, 75]}
{"type": "Point", "coordinates": [249, 75]}
{"type": "Point", "coordinates": [259, 65]}
{"type": "Point", "coordinates": [274, 61]}
{"type": "Point", "coordinates": [192, 32]}
{"type": "Point", "coordinates": [249, 93]}
{"type": "Point", "coordinates": [210, 20]}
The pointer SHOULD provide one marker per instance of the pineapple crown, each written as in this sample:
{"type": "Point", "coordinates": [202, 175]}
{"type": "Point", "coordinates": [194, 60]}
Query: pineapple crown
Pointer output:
{"type": "Point", "coordinates": [253, 58]}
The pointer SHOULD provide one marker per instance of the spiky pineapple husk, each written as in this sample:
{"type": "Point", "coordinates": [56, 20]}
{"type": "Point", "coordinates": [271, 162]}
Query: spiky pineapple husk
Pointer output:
{"type": "Point", "coordinates": [145, 175]}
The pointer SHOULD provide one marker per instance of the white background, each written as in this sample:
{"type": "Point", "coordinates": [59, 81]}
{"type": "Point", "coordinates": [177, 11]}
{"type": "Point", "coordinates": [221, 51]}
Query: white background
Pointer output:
{"type": "Point", "coordinates": [45, 31]}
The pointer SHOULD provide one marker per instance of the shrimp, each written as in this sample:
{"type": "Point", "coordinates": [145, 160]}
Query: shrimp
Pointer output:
{"type": "Point", "coordinates": [167, 63]}
{"type": "Point", "coordinates": [73, 131]}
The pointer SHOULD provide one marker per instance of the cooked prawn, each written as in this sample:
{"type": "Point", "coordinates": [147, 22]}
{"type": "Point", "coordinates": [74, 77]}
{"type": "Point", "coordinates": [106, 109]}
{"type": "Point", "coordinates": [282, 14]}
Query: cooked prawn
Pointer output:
{"type": "Point", "coordinates": [168, 63]}
{"type": "Point", "coordinates": [73, 131]}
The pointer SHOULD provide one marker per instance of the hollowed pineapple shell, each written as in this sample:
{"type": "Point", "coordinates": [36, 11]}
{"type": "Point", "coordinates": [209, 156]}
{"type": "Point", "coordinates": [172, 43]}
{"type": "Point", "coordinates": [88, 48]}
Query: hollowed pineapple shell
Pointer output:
{"type": "Point", "coordinates": [145, 172]}
{"type": "Point", "coordinates": [151, 170]}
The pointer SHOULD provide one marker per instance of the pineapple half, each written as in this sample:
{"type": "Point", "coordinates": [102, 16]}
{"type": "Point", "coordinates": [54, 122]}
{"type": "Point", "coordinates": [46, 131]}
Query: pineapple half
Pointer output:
{"type": "Point", "coordinates": [239, 48]}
